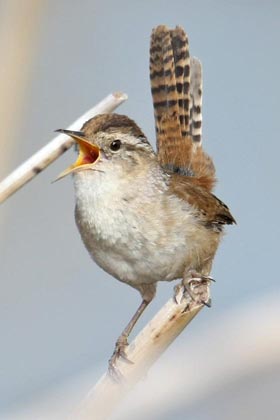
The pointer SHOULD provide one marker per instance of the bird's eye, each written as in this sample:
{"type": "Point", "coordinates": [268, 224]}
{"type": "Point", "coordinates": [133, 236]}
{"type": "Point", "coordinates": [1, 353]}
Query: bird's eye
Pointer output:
{"type": "Point", "coordinates": [115, 145]}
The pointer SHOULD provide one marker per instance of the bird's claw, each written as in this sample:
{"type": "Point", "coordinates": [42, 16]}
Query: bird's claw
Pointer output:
{"type": "Point", "coordinates": [194, 286]}
{"type": "Point", "coordinates": [119, 353]}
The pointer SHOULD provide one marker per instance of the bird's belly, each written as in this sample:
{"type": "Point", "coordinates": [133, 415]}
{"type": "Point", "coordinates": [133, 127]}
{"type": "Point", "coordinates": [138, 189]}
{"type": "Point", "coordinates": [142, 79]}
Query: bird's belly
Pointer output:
{"type": "Point", "coordinates": [131, 249]}
{"type": "Point", "coordinates": [147, 265]}
{"type": "Point", "coordinates": [141, 241]}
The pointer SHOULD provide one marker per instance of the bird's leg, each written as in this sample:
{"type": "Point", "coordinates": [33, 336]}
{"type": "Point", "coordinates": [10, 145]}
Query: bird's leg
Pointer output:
{"type": "Point", "coordinates": [194, 285]}
{"type": "Point", "coordinates": [122, 341]}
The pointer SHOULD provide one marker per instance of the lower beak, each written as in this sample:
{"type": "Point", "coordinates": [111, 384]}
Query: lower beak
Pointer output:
{"type": "Point", "coordinates": [88, 153]}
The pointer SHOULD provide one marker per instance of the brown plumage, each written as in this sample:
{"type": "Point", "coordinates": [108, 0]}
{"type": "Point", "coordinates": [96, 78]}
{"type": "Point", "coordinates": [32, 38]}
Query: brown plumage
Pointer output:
{"type": "Point", "coordinates": [177, 96]}
{"type": "Point", "coordinates": [212, 212]}
{"type": "Point", "coordinates": [111, 123]}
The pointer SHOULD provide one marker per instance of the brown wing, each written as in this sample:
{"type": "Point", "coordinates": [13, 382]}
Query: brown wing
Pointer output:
{"type": "Point", "coordinates": [176, 84]}
{"type": "Point", "coordinates": [212, 211]}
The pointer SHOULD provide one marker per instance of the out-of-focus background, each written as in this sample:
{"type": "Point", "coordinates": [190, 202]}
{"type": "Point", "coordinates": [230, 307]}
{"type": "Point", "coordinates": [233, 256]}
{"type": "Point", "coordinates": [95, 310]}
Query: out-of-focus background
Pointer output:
{"type": "Point", "coordinates": [59, 313]}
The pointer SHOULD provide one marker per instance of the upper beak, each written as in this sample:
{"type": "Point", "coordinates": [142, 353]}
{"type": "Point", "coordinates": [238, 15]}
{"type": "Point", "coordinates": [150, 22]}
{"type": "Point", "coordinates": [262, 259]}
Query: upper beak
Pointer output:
{"type": "Point", "coordinates": [89, 153]}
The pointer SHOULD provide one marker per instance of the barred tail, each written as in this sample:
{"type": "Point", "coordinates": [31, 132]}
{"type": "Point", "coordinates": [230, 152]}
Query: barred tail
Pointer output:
{"type": "Point", "coordinates": [176, 84]}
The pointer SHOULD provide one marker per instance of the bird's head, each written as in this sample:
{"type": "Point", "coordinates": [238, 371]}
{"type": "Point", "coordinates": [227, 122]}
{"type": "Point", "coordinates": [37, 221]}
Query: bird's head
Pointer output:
{"type": "Point", "coordinates": [109, 139]}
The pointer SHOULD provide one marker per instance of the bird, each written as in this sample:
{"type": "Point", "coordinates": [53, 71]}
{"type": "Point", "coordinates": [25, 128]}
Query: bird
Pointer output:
{"type": "Point", "coordinates": [147, 216]}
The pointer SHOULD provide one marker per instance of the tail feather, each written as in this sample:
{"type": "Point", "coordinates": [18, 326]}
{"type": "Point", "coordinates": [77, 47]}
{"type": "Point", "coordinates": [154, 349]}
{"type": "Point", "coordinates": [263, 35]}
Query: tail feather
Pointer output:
{"type": "Point", "coordinates": [176, 84]}
{"type": "Point", "coordinates": [181, 57]}
{"type": "Point", "coordinates": [196, 100]}
{"type": "Point", "coordinates": [162, 75]}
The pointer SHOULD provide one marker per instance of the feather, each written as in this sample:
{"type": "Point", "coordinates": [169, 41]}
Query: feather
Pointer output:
{"type": "Point", "coordinates": [176, 85]}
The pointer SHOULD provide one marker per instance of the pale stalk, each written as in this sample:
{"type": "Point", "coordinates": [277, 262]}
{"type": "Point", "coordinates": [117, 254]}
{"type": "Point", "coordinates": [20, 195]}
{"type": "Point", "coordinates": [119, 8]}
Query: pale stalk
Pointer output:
{"type": "Point", "coordinates": [147, 347]}
{"type": "Point", "coordinates": [55, 148]}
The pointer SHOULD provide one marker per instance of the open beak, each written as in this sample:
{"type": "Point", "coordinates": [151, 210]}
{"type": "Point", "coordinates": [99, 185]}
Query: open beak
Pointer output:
{"type": "Point", "coordinates": [88, 153]}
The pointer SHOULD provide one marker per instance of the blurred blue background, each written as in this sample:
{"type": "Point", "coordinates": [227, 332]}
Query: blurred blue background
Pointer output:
{"type": "Point", "coordinates": [59, 313]}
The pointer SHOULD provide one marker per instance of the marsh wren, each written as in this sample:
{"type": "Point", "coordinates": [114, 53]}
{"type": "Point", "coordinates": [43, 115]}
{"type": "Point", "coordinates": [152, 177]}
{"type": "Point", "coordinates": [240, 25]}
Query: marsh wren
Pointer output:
{"type": "Point", "coordinates": [143, 216]}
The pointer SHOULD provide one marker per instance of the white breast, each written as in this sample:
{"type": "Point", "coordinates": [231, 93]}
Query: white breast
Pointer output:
{"type": "Point", "coordinates": [132, 230]}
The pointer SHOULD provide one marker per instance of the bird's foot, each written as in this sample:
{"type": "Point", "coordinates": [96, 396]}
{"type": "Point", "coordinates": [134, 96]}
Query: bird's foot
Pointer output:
{"type": "Point", "coordinates": [119, 353]}
{"type": "Point", "coordinates": [195, 286]}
